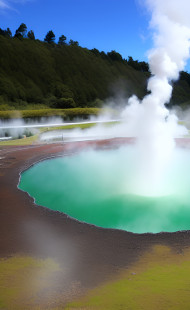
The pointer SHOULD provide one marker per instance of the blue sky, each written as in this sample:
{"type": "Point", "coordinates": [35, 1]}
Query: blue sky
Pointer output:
{"type": "Point", "coordinates": [120, 25]}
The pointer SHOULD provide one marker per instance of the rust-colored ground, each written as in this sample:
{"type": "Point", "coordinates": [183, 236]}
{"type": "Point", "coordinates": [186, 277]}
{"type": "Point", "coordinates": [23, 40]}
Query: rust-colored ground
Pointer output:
{"type": "Point", "coordinates": [89, 254]}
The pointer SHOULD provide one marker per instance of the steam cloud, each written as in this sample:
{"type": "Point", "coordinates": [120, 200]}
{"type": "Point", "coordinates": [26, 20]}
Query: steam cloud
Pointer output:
{"type": "Point", "coordinates": [149, 120]}
{"type": "Point", "coordinates": [16, 128]}
{"type": "Point", "coordinates": [156, 126]}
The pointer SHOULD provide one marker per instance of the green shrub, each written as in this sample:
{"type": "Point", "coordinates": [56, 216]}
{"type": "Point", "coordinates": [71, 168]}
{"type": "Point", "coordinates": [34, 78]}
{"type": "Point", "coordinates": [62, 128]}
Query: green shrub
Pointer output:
{"type": "Point", "coordinates": [64, 103]}
{"type": "Point", "coordinates": [5, 107]}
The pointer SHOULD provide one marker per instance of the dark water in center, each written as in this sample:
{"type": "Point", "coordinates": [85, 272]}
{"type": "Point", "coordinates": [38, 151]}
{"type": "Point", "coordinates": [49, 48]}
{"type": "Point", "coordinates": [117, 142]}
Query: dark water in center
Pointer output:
{"type": "Point", "coordinates": [92, 186]}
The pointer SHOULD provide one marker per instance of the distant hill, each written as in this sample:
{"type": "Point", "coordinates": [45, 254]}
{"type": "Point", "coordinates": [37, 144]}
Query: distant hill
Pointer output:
{"type": "Point", "coordinates": [66, 76]}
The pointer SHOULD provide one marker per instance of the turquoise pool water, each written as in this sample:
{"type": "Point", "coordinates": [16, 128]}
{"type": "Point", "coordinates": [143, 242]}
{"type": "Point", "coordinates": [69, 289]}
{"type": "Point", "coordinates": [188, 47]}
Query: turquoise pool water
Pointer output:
{"type": "Point", "coordinates": [98, 187]}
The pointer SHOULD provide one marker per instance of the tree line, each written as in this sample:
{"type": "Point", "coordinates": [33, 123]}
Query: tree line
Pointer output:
{"type": "Point", "coordinates": [22, 33]}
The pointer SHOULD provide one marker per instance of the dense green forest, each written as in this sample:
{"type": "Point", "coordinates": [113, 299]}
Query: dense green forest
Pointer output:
{"type": "Point", "coordinates": [65, 75]}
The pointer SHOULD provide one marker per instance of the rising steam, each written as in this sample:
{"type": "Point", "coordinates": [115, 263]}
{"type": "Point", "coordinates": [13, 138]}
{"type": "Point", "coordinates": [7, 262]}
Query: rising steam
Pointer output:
{"type": "Point", "coordinates": [156, 126]}
{"type": "Point", "coordinates": [149, 120]}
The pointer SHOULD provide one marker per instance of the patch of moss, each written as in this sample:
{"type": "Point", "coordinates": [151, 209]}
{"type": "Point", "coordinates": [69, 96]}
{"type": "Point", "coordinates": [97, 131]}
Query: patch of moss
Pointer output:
{"type": "Point", "coordinates": [24, 141]}
{"type": "Point", "coordinates": [26, 282]}
{"type": "Point", "coordinates": [159, 281]}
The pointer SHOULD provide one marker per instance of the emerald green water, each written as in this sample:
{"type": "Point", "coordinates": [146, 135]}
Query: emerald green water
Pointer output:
{"type": "Point", "coordinates": [98, 187]}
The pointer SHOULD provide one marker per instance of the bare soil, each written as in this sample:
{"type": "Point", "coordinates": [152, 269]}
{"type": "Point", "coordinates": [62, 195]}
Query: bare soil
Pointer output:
{"type": "Point", "coordinates": [90, 254]}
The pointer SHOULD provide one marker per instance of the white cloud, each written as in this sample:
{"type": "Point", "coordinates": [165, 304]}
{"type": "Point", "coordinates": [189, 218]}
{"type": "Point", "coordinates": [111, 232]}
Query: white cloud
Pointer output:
{"type": "Point", "coordinates": [8, 4]}
{"type": "Point", "coordinates": [4, 4]}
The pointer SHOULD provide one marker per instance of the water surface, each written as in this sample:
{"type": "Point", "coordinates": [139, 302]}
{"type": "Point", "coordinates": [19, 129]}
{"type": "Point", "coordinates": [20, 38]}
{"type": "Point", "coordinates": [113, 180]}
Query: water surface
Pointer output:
{"type": "Point", "coordinates": [98, 187]}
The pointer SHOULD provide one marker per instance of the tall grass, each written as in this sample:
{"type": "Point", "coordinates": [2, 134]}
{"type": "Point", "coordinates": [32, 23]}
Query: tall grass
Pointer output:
{"type": "Point", "coordinates": [65, 113]}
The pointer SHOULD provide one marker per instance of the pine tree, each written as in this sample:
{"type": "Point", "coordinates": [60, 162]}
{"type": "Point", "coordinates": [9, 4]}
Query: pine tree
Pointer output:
{"type": "Point", "coordinates": [31, 35]}
{"type": "Point", "coordinates": [50, 37]}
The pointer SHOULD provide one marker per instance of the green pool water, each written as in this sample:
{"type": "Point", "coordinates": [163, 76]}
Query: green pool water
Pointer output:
{"type": "Point", "coordinates": [98, 187]}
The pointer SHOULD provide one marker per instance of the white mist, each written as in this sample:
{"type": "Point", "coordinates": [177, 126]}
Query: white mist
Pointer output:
{"type": "Point", "coordinates": [156, 127]}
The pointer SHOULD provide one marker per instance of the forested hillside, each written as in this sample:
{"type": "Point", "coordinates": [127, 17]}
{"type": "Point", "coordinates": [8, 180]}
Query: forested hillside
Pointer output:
{"type": "Point", "coordinates": [67, 75]}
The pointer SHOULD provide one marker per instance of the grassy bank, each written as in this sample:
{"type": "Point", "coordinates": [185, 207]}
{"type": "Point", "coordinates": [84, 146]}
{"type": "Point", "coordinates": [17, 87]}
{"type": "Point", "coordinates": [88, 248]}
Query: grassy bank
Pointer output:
{"type": "Point", "coordinates": [34, 139]}
{"type": "Point", "coordinates": [24, 141]}
{"type": "Point", "coordinates": [16, 292]}
{"type": "Point", "coordinates": [159, 281]}
{"type": "Point", "coordinates": [65, 113]}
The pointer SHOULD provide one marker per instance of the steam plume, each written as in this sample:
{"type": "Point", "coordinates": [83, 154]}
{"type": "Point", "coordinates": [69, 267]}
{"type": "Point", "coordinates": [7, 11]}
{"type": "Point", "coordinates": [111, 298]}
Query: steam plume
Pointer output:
{"type": "Point", "coordinates": [156, 126]}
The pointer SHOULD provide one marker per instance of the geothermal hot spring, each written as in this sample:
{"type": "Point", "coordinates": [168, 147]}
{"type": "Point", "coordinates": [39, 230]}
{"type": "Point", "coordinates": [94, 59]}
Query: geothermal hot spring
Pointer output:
{"type": "Point", "coordinates": [140, 188]}
{"type": "Point", "coordinates": [102, 187]}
